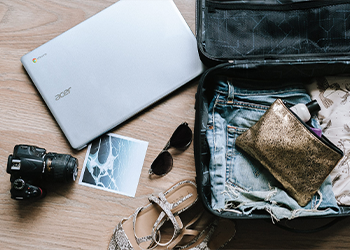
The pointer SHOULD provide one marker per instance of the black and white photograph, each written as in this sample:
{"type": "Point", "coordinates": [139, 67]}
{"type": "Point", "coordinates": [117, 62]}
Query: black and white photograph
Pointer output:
{"type": "Point", "coordinates": [113, 163]}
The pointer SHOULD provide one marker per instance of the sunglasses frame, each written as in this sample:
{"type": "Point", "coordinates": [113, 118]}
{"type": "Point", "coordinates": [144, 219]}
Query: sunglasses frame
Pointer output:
{"type": "Point", "coordinates": [168, 146]}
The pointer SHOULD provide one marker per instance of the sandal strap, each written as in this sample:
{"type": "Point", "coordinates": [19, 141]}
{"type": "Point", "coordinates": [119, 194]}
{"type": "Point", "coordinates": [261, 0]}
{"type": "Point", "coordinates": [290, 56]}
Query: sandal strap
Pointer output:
{"type": "Point", "coordinates": [139, 240]}
{"type": "Point", "coordinates": [166, 207]}
{"type": "Point", "coordinates": [187, 231]}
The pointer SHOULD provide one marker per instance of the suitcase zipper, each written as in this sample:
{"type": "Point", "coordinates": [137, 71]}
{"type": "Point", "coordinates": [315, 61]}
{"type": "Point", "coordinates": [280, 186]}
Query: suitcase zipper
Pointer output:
{"type": "Point", "coordinates": [262, 5]}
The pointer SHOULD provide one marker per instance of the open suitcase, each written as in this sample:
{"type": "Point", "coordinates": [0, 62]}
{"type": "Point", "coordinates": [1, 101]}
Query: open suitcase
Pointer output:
{"type": "Point", "coordinates": [255, 44]}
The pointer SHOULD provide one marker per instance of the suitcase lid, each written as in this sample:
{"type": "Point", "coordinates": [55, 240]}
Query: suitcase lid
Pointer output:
{"type": "Point", "coordinates": [273, 31]}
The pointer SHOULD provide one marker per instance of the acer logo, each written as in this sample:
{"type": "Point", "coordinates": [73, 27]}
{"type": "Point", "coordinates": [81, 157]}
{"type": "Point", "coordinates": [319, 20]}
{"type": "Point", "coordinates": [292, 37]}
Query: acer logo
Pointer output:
{"type": "Point", "coordinates": [63, 94]}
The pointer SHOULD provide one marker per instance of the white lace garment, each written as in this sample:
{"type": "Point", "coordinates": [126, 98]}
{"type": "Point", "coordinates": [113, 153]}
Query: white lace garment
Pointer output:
{"type": "Point", "coordinates": [333, 95]}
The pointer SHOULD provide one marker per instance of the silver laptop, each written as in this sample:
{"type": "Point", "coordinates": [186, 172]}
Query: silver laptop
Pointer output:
{"type": "Point", "coordinates": [113, 65]}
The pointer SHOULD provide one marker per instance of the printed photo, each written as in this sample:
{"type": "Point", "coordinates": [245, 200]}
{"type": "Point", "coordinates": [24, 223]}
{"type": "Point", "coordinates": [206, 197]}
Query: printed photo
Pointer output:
{"type": "Point", "coordinates": [113, 163]}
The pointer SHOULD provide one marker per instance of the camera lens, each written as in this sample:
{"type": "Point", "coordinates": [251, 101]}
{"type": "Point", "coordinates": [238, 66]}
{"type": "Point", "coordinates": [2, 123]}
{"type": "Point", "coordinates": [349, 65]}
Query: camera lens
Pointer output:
{"type": "Point", "coordinates": [61, 167]}
{"type": "Point", "coordinates": [72, 168]}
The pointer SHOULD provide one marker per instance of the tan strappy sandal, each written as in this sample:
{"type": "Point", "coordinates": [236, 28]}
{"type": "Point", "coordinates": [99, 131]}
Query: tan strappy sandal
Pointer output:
{"type": "Point", "coordinates": [140, 230]}
{"type": "Point", "coordinates": [202, 232]}
{"type": "Point", "coordinates": [159, 225]}
{"type": "Point", "coordinates": [217, 235]}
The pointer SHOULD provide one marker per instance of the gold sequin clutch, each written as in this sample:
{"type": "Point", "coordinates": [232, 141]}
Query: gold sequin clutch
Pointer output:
{"type": "Point", "coordinates": [295, 156]}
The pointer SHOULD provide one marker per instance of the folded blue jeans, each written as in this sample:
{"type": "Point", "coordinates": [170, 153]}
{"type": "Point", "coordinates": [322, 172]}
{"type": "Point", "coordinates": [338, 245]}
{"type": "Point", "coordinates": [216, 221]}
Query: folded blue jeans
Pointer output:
{"type": "Point", "coordinates": [239, 183]}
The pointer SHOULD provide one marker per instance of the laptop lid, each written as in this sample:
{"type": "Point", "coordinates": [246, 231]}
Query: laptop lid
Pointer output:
{"type": "Point", "coordinates": [113, 65]}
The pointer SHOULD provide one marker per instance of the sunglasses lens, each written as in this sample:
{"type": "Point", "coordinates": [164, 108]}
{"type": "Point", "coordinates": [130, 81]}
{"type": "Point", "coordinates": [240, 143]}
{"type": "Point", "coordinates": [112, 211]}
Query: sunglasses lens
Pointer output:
{"type": "Point", "coordinates": [182, 136]}
{"type": "Point", "coordinates": [162, 164]}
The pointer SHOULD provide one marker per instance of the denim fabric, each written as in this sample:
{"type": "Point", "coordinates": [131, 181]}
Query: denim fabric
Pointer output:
{"type": "Point", "coordinates": [239, 183]}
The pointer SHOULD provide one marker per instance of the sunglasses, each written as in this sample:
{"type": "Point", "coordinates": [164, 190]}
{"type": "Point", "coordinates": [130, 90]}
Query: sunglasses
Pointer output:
{"type": "Point", "coordinates": [181, 139]}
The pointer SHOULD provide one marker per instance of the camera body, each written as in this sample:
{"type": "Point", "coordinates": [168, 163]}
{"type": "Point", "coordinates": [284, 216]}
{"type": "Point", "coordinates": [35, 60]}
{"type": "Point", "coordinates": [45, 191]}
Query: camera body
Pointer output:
{"type": "Point", "coordinates": [30, 165]}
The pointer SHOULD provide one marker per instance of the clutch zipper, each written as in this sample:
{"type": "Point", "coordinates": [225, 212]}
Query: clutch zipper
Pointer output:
{"type": "Point", "coordinates": [322, 138]}
{"type": "Point", "coordinates": [262, 5]}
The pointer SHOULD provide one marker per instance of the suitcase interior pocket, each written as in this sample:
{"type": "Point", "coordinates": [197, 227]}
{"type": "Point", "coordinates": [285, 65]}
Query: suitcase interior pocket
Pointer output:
{"type": "Point", "coordinates": [255, 30]}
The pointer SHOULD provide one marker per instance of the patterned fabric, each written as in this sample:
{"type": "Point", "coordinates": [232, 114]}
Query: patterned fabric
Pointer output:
{"type": "Point", "coordinates": [332, 94]}
{"type": "Point", "coordinates": [245, 30]}
{"type": "Point", "coordinates": [119, 239]}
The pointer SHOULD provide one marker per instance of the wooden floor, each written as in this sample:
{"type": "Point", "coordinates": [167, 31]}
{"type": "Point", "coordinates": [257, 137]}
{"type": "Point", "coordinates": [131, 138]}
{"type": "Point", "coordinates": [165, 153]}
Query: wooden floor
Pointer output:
{"type": "Point", "coordinates": [78, 217]}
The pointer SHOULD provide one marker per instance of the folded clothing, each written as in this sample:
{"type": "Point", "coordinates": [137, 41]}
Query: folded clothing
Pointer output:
{"type": "Point", "coordinates": [333, 95]}
{"type": "Point", "coordinates": [239, 183]}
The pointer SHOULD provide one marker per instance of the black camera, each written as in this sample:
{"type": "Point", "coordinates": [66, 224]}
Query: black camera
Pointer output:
{"type": "Point", "coordinates": [30, 165]}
